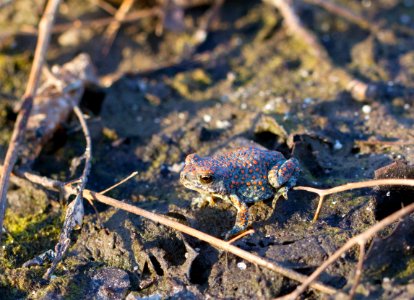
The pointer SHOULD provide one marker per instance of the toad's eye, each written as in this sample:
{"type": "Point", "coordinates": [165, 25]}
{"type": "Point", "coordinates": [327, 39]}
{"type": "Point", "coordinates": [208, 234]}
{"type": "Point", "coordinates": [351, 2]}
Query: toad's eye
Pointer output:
{"type": "Point", "coordinates": [205, 178]}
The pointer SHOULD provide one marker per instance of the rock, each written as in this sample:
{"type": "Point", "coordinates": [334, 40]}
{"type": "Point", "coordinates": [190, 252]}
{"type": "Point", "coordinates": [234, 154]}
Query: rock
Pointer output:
{"type": "Point", "coordinates": [109, 283]}
{"type": "Point", "coordinates": [269, 124]}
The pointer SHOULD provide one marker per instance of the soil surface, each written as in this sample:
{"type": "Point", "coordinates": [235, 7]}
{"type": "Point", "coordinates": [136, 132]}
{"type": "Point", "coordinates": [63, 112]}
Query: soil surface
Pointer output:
{"type": "Point", "coordinates": [163, 96]}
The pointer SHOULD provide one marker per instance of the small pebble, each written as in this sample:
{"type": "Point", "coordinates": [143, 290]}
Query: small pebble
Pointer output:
{"type": "Point", "coordinates": [223, 124]}
{"type": "Point", "coordinates": [304, 73]}
{"type": "Point", "coordinates": [242, 266]}
{"type": "Point", "coordinates": [200, 35]}
{"type": "Point", "coordinates": [308, 100]}
{"type": "Point", "coordinates": [231, 76]}
{"type": "Point", "coordinates": [142, 85]}
{"type": "Point", "coordinates": [176, 168]}
{"type": "Point", "coordinates": [207, 118]}
{"type": "Point", "coordinates": [366, 109]}
{"type": "Point", "coordinates": [338, 145]}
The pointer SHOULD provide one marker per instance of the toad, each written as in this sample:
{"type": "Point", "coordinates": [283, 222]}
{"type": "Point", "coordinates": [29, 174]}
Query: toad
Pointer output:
{"type": "Point", "coordinates": [241, 176]}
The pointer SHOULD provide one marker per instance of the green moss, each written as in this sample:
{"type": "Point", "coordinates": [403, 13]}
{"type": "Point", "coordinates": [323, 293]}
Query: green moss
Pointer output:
{"type": "Point", "coordinates": [28, 236]}
{"type": "Point", "coordinates": [14, 70]}
{"type": "Point", "coordinates": [192, 85]}
{"type": "Point", "coordinates": [17, 283]}
{"type": "Point", "coordinates": [69, 287]}
{"type": "Point", "coordinates": [408, 272]}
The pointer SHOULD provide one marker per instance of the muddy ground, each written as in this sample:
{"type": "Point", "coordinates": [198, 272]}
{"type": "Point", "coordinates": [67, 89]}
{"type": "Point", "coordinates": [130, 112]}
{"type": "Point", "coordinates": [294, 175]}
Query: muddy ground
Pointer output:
{"type": "Point", "coordinates": [250, 82]}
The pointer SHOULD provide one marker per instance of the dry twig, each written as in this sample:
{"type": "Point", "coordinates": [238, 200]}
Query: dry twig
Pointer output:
{"type": "Point", "coordinates": [111, 31]}
{"type": "Point", "coordinates": [383, 143]}
{"type": "Point", "coordinates": [357, 19]}
{"type": "Point", "coordinates": [45, 26]}
{"type": "Point", "coordinates": [345, 13]}
{"type": "Point", "coordinates": [226, 246]}
{"type": "Point", "coordinates": [360, 239]}
{"type": "Point", "coordinates": [133, 174]}
{"type": "Point", "coordinates": [241, 235]}
{"type": "Point", "coordinates": [322, 193]}
{"type": "Point", "coordinates": [105, 6]}
{"type": "Point", "coordinates": [129, 18]}
{"type": "Point", "coordinates": [359, 90]}
{"type": "Point", "coordinates": [215, 242]}
{"type": "Point", "coordinates": [357, 240]}
{"type": "Point", "coordinates": [75, 210]}
{"type": "Point", "coordinates": [358, 271]}
{"type": "Point", "coordinates": [202, 31]}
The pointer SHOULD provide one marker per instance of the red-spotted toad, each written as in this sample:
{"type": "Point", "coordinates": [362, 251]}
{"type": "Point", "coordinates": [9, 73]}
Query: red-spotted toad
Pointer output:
{"type": "Point", "coordinates": [241, 176]}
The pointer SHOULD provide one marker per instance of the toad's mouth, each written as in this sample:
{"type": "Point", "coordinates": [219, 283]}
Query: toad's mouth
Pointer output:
{"type": "Point", "coordinates": [188, 181]}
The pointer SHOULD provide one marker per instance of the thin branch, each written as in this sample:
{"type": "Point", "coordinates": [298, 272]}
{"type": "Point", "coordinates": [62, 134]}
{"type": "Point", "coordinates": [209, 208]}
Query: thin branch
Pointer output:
{"type": "Point", "coordinates": [105, 6]}
{"type": "Point", "coordinates": [358, 271]}
{"type": "Point", "coordinates": [359, 90]}
{"type": "Point", "coordinates": [296, 28]}
{"type": "Point", "coordinates": [133, 174]}
{"type": "Point", "coordinates": [111, 31]}
{"type": "Point", "coordinates": [208, 18]}
{"type": "Point", "coordinates": [238, 237]}
{"type": "Point", "coordinates": [384, 143]}
{"type": "Point", "coordinates": [45, 26]}
{"type": "Point", "coordinates": [345, 13]}
{"type": "Point", "coordinates": [361, 238]}
{"type": "Point", "coordinates": [129, 18]}
{"type": "Point", "coordinates": [88, 150]}
{"type": "Point", "coordinates": [215, 242]}
{"type": "Point", "coordinates": [351, 186]}
{"type": "Point", "coordinates": [357, 19]}
{"type": "Point", "coordinates": [75, 212]}
{"type": "Point", "coordinates": [226, 246]}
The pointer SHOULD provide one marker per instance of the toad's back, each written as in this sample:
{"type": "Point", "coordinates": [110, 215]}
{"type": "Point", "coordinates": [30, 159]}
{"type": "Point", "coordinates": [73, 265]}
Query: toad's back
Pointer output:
{"type": "Point", "coordinates": [247, 171]}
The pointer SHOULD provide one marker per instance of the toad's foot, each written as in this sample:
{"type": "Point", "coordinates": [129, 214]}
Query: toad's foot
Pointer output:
{"type": "Point", "coordinates": [203, 201]}
{"type": "Point", "coordinates": [281, 192]}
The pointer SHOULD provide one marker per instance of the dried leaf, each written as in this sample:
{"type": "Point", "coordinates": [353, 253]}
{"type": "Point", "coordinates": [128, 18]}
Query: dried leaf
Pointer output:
{"type": "Point", "coordinates": [59, 92]}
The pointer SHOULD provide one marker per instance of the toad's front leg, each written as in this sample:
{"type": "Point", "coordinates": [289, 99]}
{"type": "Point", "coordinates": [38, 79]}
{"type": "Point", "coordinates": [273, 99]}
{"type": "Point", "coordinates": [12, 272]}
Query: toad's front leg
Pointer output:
{"type": "Point", "coordinates": [242, 217]}
{"type": "Point", "coordinates": [282, 177]}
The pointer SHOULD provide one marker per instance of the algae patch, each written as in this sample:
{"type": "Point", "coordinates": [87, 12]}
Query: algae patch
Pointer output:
{"type": "Point", "coordinates": [32, 226]}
